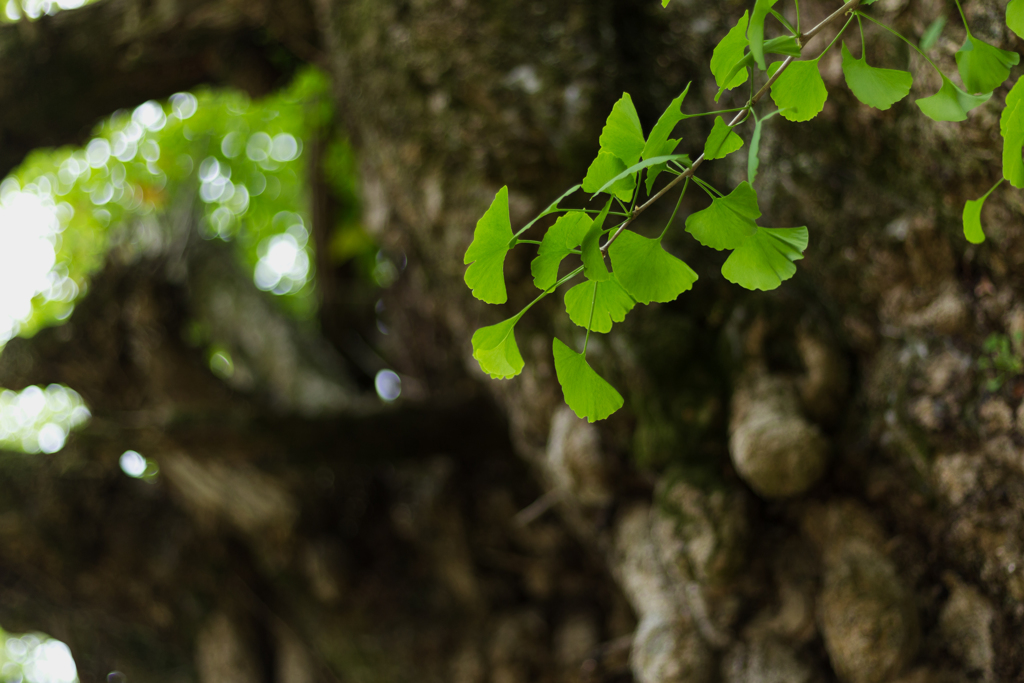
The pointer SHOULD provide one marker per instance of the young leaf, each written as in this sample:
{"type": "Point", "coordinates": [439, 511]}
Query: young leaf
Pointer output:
{"type": "Point", "coordinates": [647, 271]}
{"type": "Point", "coordinates": [875, 87]}
{"type": "Point", "coordinates": [755, 147]}
{"type": "Point", "coordinates": [622, 134]}
{"type": "Point", "coordinates": [727, 53]}
{"type": "Point", "coordinates": [755, 33]}
{"type": "Point", "coordinates": [604, 168]}
{"type": "Point", "coordinates": [657, 141]}
{"type": "Point", "coordinates": [654, 171]}
{"type": "Point", "coordinates": [486, 253]}
{"type": "Point", "coordinates": [932, 33]}
{"type": "Point", "coordinates": [983, 67]}
{"type": "Point", "coordinates": [765, 259]}
{"type": "Point", "coordinates": [495, 349]}
{"type": "Point", "coordinates": [722, 141]}
{"type": "Point", "coordinates": [559, 241]}
{"type": "Point", "coordinates": [585, 391]}
{"type": "Point", "coordinates": [1011, 127]}
{"type": "Point", "coordinates": [950, 103]}
{"type": "Point", "coordinates": [594, 267]}
{"type": "Point", "coordinates": [728, 221]}
{"type": "Point", "coordinates": [639, 166]}
{"type": "Point", "coordinates": [800, 91]}
{"type": "Point", "coordinates": [1015, 17]}
{"type": "Point", "coordinates": [611, 305]}
{"type": "Point", "coordinates": [972, 217]}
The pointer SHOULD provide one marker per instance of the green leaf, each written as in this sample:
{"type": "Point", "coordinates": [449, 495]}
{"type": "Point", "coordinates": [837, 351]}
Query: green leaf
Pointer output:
{"type": "Point", "coordinates": [983, 67]}
{"type": "Point", "coordinates": [495, 349]}
{"type": "Point", "coordinates": [728, 221]}
{"type": "Point", "coordinates": [604, 168]}
{"type": "Point", "coordinates": [755, 33]}
{"type": "Point", "coordinates": [932, 33]}
{"type": "Point", "coordinates": [641, 165]}
{"type": "Point", "coordinates": [585, 391]}
{"type": "Point", "coordinates": [755, 147]}
{"type": "Point", "coordinates": [972, 217]}
{"type": "Point", "coordinates": [486, 253]}
{"type": "Point", "coordinates": [766, 258]}
{"type": "Point", "coordinates": [664, 3]}
{"type": "Point", "coordinates": [611, 306]}
{"type": "Point", "coordinates": [1011, 127]}
{"type": "Point", "coordinates": [878, 88]}
{"type": "Point", "coordinates": [559, 241]}
{"type": "Point", "coordinates": [594, 267]}
{"type": "Point", "coordinates": [783, 45]}
{"type": "Point", "coordinates": [1015, 17]}
{"type": "Point", "coordinates": [800, 91]}
{"type": "Point", "coordinates": [727, 53]}
{"type": "Point", "coordinates": [722, 141]}
{"type": "Point", "coordinates": [622, 134]}
{"type": "Point", "coordinates": [654, 171]}
{"type": "Point", "coordinates": [950, 103]}
{"type": "Point", "coordinates": [658, 139]}
{"type": "Point", "coordinates": [553, 207]}
{"type": "Point", "coordinates": [647, 271]}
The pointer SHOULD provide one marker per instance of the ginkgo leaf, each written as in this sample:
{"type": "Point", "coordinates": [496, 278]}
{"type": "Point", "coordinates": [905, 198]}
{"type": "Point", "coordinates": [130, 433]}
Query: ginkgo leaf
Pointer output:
{"type": "Point", "coordinates": [1015, 17]}
{"type": "Point", "coordinates": [495, 349]}
{"type": "Point", "coordinates": [559, 241]}
{"type": "Point", "coordinates": [800, 91]}
{"type": "Point", "coordinates": [763, 260]}
{"type": "Point", "coordinates": [755, 147]}
{"type": "Point", "coordinates": [983, 67]}
{"type": "Point", "coordinates": [611, 305]}
{"type": "Point", "coordinates": [722, 141]}
{"type": "Point", "coordinates": [932, 33]}
{"type": "Point", "coordinates": [782, 45]}
{"type": "Point", "coordinates": [486, 253]}
{"type": "Point", "coordinates": [639, 166]}
{"type": "Point", "coordinates": [647, 271]}
{"type": "Point", "coordinates": [755, 32]}
{"type": "Point", "coordinates": [1011, 127]}
{"type": "Point", "coordinates": [622, 134]}
{"type": "Point", "coordinates": [727, 53]}
{"type": "Point", "coordinates": [594, 267]}
{"type": "Point", "coordinates": [552, 208]}
{"type": "Point", "coordinates": [875, 87]}
{"type": "Point", "coordinates": [605, 167]}
{"type": "Point", "coordinates": [657, 140]}
{"type": "Point", "coordinates": [950, 103]}
{"type": "Point", "coordinates": [585, 391]}
{"type": "Point", "coordinates": [973, 230]}
{"type": "Point", "coordinates": [654, 171]}
{"type": "Point", "coordinates": [728, 221]}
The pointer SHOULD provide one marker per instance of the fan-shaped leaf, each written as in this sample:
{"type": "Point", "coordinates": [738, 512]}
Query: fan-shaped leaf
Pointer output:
{"type": "Point", "coordinates": [622, 134]}
{"type": "Point", "coordinates": [656, 142]}
{"type": "Point", "coordinates": [727, 53]}
{"type": "Point", "coordinates": [728, 221]}
{"type": "Point", "coordinates": [495, 349]}
{"type": "Point", "coordinates": [983, 67]}
{"type": "Point", "coordinates": [611, 306]}
{"type": "Point", "coordinates": [800, 91]}
{"type": "Point", "coordinates": [594, 267]}
{"type": "Point", "coordinates": [647, 271]}
{"type": "Point", "coordinates": [722, 141]}
{"type": "Point", "coordinates": [973, 230]}
{"type": "Point", "coordinates": [763, 260]}
{"type": "Point", "coordinates": [585, 391]}
{"type": "Point", "coordinates": [875, 87]}
{"type": "Point", "coordinates": [559, 241]}
{"type": "Point", "coordinates": [950, 103]}
{"type": "Point", "coordinates": [486, 253]}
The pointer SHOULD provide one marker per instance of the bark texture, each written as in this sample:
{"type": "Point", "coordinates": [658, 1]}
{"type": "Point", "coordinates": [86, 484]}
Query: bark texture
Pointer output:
{"type": "Point", "coordinates": [814, 484]}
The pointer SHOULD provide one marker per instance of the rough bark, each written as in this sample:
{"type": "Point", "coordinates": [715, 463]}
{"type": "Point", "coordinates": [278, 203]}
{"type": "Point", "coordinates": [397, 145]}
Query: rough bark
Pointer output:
{"type": "Point", "coordinates": [897, 557]}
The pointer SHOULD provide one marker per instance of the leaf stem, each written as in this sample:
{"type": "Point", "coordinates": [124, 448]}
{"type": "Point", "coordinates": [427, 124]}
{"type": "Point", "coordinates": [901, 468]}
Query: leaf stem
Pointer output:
{"type": "Point", "coordinates": [797, 3]}
{"type": "Point", "coordinates": [963, 17]}
{"type": "Point", "coordinates": [905, 40]}
{"type": "Point", "coordinates": [674, 211]}
{"type": "Point", "coordinates": [838, 34]}
{"type": "Point", "coordinates": [849, 6]}
{"type": "Point", "coordinates": [712, 113]}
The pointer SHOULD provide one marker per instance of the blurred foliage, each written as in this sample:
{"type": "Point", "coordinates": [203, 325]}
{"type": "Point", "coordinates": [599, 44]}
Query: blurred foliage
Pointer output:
{"type": "Point", "coordinates": [1001, 362]}
{"type": "Point", "coordinates": [243, 160]}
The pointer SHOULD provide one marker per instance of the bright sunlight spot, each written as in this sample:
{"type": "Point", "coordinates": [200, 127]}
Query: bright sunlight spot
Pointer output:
{"type": "Point", "coordinates": [33, 658]}
{"type": "Point", "coordinates": [37, 420]}
{"type": "Point", "coordinates": [388, 385]}
{"type": "Point", "coordinates": [133, 464]}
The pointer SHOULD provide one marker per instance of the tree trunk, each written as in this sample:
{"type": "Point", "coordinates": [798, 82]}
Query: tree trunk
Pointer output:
{"type": "Point", "coordinates": [812, 484]}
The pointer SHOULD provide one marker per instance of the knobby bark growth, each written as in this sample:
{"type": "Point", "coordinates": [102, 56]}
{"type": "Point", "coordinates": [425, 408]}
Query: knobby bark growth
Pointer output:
{"type": "Point", "coordinates": [813, 484]}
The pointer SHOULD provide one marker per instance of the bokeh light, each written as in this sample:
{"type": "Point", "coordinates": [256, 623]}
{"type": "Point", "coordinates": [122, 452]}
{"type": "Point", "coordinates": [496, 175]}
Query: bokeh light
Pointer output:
{"type": "Point", "coordinates": [388, 385]}
{"type": "Point", "coordinates": [35, 658]}
{"type": "Point", "coordinates": [37, 420]}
